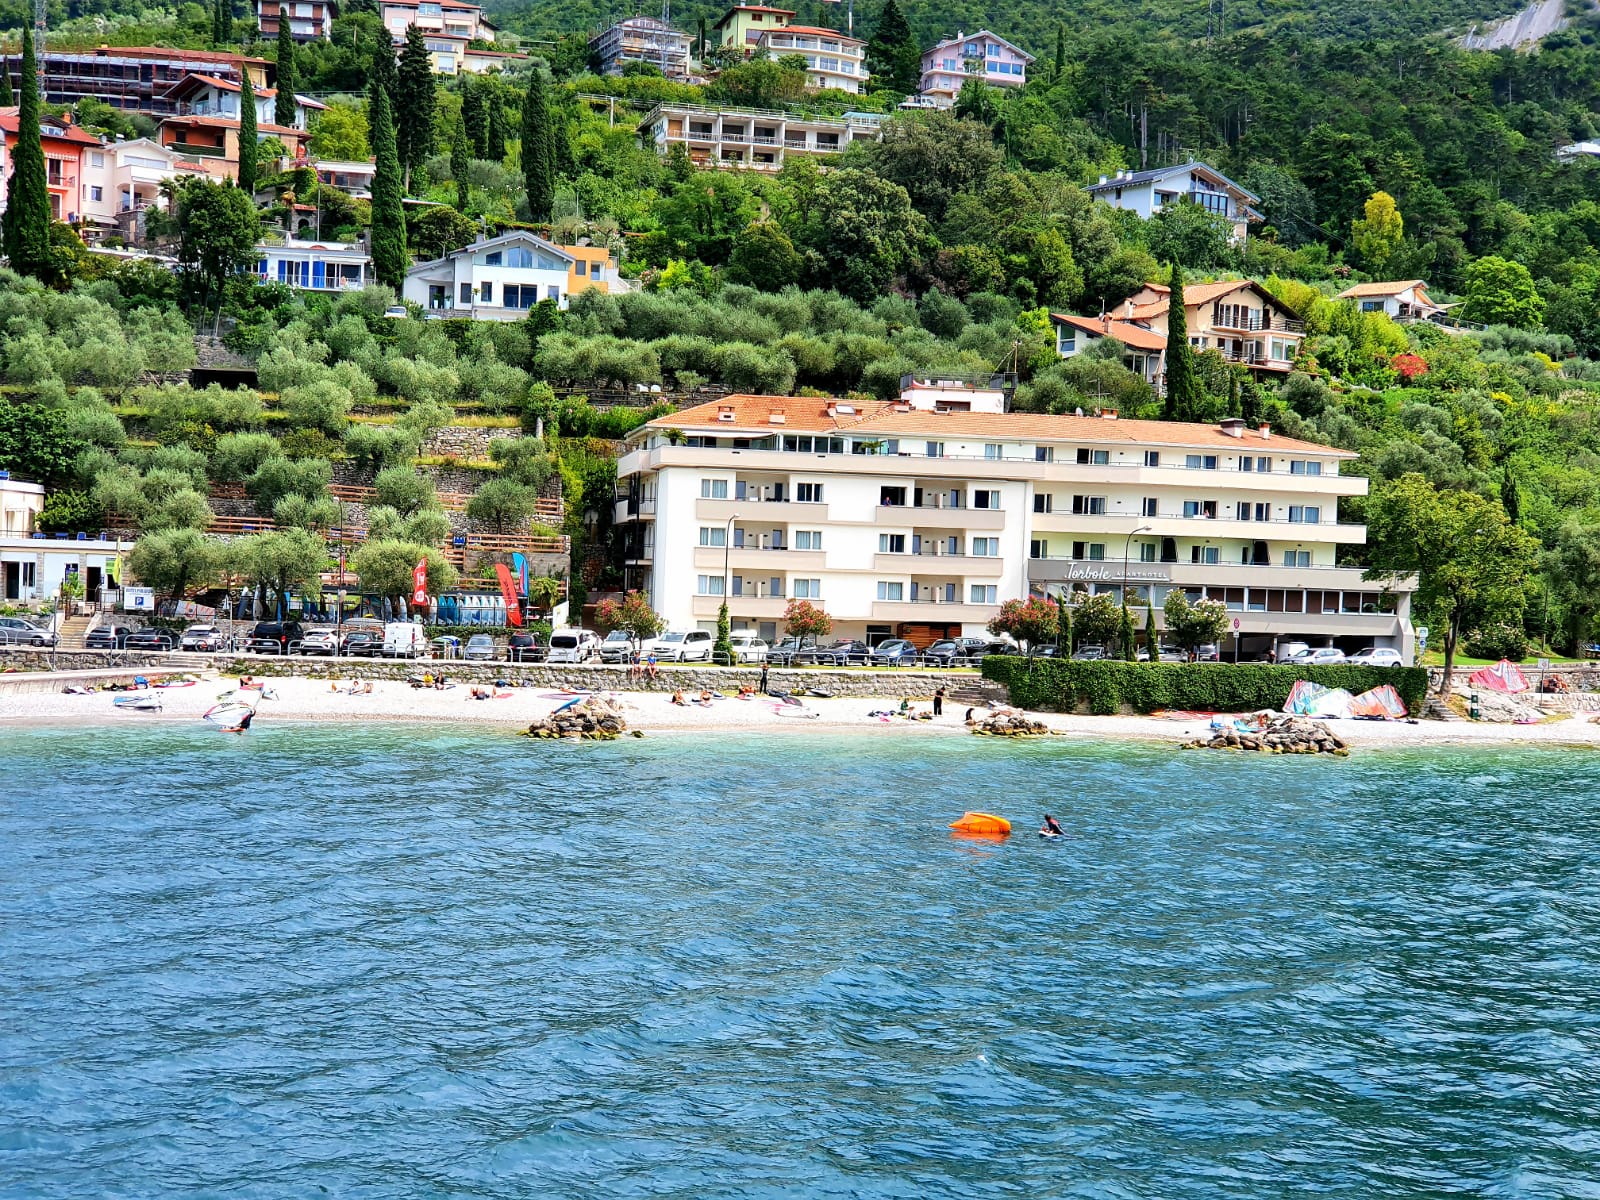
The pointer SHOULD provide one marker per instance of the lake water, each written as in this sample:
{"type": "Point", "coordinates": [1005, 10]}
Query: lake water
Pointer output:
{"type": "Point", "coordinates": [386, 961]}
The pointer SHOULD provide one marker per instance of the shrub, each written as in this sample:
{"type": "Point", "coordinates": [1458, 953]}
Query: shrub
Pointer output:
{"type": "Point", "coordinates": [1498, 641]}
{"type": "Point", "coordinates": [1108, 686]}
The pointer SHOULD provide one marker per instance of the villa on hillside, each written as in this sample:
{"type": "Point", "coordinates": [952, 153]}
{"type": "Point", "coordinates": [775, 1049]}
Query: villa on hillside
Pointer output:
{"type": "Point", "coordinates": [1148, 192]}
{"type": "Point", "coordinates": [743, 137]}
{"type": "Point", "coordinates": [1238, 318]}
{"type": "Point", "coordinates": [1146, 354]}
{"type": "Point", "coordinates": [1404, 300]}
{"type": "Point", "coordinates": [502, 278]}
{"type": "Point", "coordinates": [833, 59]}
{"type": "Point", "coordinates": [641, 39]}
{"type": "Point", "coordinates": [982, 55]}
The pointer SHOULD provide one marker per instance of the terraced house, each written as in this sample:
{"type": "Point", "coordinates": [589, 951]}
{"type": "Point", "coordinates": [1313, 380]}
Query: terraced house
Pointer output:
{"type": "Point", "coordinates": [918, 518]}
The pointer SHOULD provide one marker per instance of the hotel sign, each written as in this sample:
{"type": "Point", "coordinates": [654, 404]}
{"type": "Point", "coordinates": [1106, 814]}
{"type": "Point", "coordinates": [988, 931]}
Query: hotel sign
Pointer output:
{"type": "Point", "coordinates": [1115, 572]}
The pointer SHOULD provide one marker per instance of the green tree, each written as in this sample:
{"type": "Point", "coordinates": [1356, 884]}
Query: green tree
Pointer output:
{"type": "Point", "coordinates": [341, 133]}
{"type": "Point", "coordinates": [460, 161]}
{"type": "Point", "coordinates": [891, 52]}
{"type": "Point", "coordinates": [631, 614]}
{"type": "Point", "coordinates": [863, 231]}
{"type": "Point", "coordinates": [538, 149]}
{"type": "Point", "coordinates": [414, 103]}
{"type": "Point", "coordinates": [722, 648]}
{"type": "Point", "coordinates": [438, 230]}
{"type": "Point", "coordinates": [25, 227]}
{"type": "Point", "coordinates": [1127, 638]}
{"type": "Point", "coordinates": [1378, 232]}
{"type": "Point", "coordinates": [1096, 619]}
{"type": "Point", "coordinates": [1472, 564]}
{"type": "Point", "coordinates": [503, 502]}
{"type": "Point", "coordinates": [765, 258]}
{"type": "Point", "coordinates": [279, 562]}
{"type": "Point", "coordinates": [405, 490]}
{"type": "Point", "coordinates": [174, 560]}
{"type": "Point", "coordinates": [1501, 292]}
{"type": "Point", "coordinates": [475, 116]}
{"type": "Point", "coordinates": [388, 210]}
{"type": "Point", "coordinates": [287, 80]}
{"type": "Point", "coordinates": [1152, 651]}
{"type": "Point", "coordinates": [1193, 625]}
{"type": "Point", "coordinates": [803, 619]}
{"type": "Point", "coordinates": [976, 102]}
{"type": "Point", "coordinates": [1185, 399]}
{"type": "Point", "coordinates": [37, 443]}
{"type": "Point", "coordinates": [1033, 621]}
{"type": "Point", "coordinates": [249, 146]}
{"type": "Point", "coordinates": [386, 568]}
{"type": "Point", "coordinates": [935, 157]}
{"type": "Point", "coordinates": [1061, 54]}
{"type": "Point", "coordinates": [707, 214]}
{"type": "Point", "coordinates": [7, 97]}
{"type": "Point", "coordinates": [1190, 236]}
{"type": "Point", "coordinates": [316, 513]}
{"type": "Point", "coordinates": [221, 23]}
{"type": "Point", "coordinates": [218, 228]}
{"type": "Point", "coordinates": [498, 130]}
{"type": "Point", "coordinates": [277, 477]}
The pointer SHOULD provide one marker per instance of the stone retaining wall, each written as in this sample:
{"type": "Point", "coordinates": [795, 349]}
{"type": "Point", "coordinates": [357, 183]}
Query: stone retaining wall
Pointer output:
{"type": "Point", "coordinates": [14, 657]}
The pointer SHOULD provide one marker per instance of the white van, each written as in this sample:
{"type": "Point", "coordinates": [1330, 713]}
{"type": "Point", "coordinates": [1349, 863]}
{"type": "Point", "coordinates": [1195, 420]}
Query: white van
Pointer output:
{"type": "Point", "coordinates": [574, 646]}
{"type": "Point", "coordinates": [682, 645]}
{"type": "Point", "coordinates": [402, 639]}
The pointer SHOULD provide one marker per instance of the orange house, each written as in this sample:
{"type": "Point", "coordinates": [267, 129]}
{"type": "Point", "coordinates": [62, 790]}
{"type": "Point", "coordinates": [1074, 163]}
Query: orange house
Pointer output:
{"type": "Point", "coordinates": [590, 269]}
{"type": "Point", "coordinates": [64, 147]}
{"type": "Point", "coordinates": [214, 141]}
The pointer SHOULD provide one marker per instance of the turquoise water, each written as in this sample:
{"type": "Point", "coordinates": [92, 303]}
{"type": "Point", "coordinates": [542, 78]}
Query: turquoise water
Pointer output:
{"type": "Point", "coordinates": [386, 961]}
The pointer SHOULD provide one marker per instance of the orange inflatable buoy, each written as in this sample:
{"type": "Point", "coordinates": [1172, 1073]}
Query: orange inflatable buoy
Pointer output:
{"type": "Point", "coordinates": [977, 822]}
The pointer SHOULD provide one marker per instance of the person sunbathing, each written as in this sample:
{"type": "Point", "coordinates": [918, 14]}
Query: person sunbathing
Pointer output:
{"type": "Point", "coordinates": [677, 698]}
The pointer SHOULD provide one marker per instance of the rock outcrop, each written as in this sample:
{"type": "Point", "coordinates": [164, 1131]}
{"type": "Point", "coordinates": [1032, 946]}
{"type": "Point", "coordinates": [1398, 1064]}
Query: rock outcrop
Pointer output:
{"type": "Point", "coordinates": [1009, 724]}
{"type": "Point", "coordinates": [595, 719]}
{"type": "Point", "coordinates": [1282, 735]}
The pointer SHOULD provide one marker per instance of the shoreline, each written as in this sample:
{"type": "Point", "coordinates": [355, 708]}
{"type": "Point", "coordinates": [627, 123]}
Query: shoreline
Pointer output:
{"type": "Point", "coordinates": [394, 702]}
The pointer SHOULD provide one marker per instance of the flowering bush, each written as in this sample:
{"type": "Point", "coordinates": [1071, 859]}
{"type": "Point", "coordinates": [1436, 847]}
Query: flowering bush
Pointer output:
{"type": "Point", "coordinates": [1031, 621]}
{"type": "Point", "coordinates": [1409, 366]}
{"type": "Point", "coordinates": [804, 619]}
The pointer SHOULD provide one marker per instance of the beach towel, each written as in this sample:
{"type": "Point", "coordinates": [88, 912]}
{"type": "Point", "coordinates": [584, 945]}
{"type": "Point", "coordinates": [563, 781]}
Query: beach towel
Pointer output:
{"type": "Point", "coordinates": [1380, 703]}
{"type": "Point", "coordinates": [1504, 676]}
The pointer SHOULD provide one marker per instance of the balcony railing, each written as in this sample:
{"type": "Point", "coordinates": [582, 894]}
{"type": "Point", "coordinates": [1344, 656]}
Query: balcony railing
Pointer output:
{"type": "Point", "coordinates": [1258, 324]}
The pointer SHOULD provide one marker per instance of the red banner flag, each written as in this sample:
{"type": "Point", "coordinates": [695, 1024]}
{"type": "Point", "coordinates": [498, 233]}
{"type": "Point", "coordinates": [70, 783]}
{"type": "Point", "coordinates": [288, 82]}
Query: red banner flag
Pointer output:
{"type": "Point", "coordinates": [508, 590]}
{"type": "Point", "coordinates": [419, 583]}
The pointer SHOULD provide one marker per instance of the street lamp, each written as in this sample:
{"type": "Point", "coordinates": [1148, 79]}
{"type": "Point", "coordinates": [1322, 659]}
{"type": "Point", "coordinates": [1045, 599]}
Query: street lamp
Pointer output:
{"type": "Point", "coordinates": [1127, 544]}
{"type": "Point", "coordinates": [727, 549]}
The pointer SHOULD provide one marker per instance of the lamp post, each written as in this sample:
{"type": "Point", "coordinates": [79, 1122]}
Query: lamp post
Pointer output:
{"type": "Point", "coordinates": [1127, 544]}
{"type": "Point", "coordinates": [723, 621]}
{"type": "Point", "coordinates": [727, 549]}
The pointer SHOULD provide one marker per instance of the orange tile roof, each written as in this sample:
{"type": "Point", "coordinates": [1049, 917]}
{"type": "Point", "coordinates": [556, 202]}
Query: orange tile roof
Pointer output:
{"type": "Point", "coordinates": [1125, 332]}
{"type": "Point", "coordinates": [817, 29]}
{"type": "Point", "coordinates": [48, 128]}
{"type": "Point", "coordinates": [1379, 289]}
{"type": "Point", "coordinates": [811, 415]}
{"type": "Point", "coordinates": [1204, 293]}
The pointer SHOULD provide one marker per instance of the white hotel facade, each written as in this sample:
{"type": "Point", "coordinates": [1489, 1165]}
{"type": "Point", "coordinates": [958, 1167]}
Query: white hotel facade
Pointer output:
{"type": "Point", "coordinates": [919, 518]}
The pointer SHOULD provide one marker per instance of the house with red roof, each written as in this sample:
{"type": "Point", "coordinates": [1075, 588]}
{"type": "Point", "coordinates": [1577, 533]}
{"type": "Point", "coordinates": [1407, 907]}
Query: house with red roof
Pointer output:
{"type": "Point", "coordinates": [1238, 318]}
{"type": "Point", "coordinates": [65, 145]}
{"type": "Point", "coordinates": [833, 59]}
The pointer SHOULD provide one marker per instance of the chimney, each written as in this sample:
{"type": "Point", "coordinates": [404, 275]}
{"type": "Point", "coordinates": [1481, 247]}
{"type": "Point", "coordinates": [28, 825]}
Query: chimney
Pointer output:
{"type": "Point", "coordinates": [725, 412]}
{"type": "Point", "coordinates": [1233, 426]}
{"type": "Point", "coordinates": [1109, 414]}
{"type": "Point", "coordinates": [1265, 431]}
{"type": "Point", "coordinates": [1104, 181]}
{"type": "Point", "coordinates": [1129, 309]}
{"type": "Point", "coordinates": [777, 416]}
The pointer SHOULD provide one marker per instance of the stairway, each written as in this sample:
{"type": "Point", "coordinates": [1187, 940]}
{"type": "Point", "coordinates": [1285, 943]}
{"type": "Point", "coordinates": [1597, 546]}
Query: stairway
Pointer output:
{"type": "Point", "coordinates": [1435, 709]}
{"type": "Point", "coordinates": [984, 693]}
{"type": "Point", "coordinates": [193, 663]}
{"type": "Point", "coordinates": [72, 632]}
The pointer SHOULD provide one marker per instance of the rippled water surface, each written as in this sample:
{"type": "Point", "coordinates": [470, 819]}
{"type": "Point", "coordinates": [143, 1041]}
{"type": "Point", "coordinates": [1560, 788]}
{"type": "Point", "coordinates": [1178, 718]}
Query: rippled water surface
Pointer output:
{"type": "Point", "coordinates": [393, 962]}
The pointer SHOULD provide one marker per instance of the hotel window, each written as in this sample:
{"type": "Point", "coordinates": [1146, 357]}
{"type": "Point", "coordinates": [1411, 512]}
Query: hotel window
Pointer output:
{"type": "Point", "coordinates": [891, 543]}
{"type": "Point", "coordinates": [1038, 548]}
{"type": "Point", "coordinates": [807, 589]}
{"type": "Point", "coordinates": [1202, 554]}
{"type": "Point", "coordinates": [1041, 502]}
{"type": "Point", "coordinates": [1297, 558]}
{"type": "Point", "coordinates": [1304, 514]}
{"type": "Point", "coordinates": [1152, 458]}
{"type": "Point", "coordinates": [1200, 508]}
{"type": "Point", "coordinates": [713, 535]}
{"type": "Point", "coordinates": [1093, 458]}
{"type": "Point", "coordinates": [993, 450]}
{"type": "Point", "coordinates": [486, 291]}
{"type": "Point", "coordinates": [808, 539]}
{"type": "Point", "coordinates": [984, 498]}
{"type": "Point", "coordinates": [1262, 465]}
{"type": "Point", "coordinates": [891, 590]}
{"type": "Point", "coordinates": [1147, 552]}
{"type": "Point", "coordinates": [808, 493]}
{"type": "Point", "coordinates": [983, 593]}
{"type": "Point", "coordinates": [1088, 506]}
{"type": "Point", "coordinates": [711, 585]}
{"type": "Point", "coordinates": [1200, 462]}
{"type": "Point", "coordinates": [892, 497]}
{"type": "Point", "coordinates": [1304, 467]}
{"type": "Point", "coordinates": [466, 293]}
{"type": "Point", "coordinates": [1246, 509]}
{"type": "Point", "coordinates": [985, 547]}
{"type": "Point", "coordinates": [1093, 551]}
{"type": "Point", "coordinates": [935, 450]}
{"type": "Point", "coordinates": [1044, 454]}
{"type": "Point", "coordinates": [713, 489]}
{"type": "Point", "coordinates": [492, 259]}
{"type": "Point", "coordinates": [1147, 507]}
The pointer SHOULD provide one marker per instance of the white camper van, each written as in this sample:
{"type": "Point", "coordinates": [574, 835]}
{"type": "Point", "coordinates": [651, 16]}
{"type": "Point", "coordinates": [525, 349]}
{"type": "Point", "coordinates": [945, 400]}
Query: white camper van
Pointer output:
{"type": "Point", "coordinates": [574, 646]}
{"type": "Point", "coordinates": [402, 639]}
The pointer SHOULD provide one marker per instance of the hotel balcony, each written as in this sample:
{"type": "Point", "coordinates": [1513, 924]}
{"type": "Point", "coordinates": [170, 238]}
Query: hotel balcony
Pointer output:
{"type": "Point", "coordinates": [922, 516]}
{"type": "Point", "coordinates": [768, 512]}
{"type": "Point", "coordinates": [961, 565]}
{"type": "Point", "coordinates": [749, 607]}
{"type": "Point", "coordinates": [933, 611]}
{"type": "Point", "coordinates": [765, 560]}
{"type": "Point", "coordinates": [1120, 525]}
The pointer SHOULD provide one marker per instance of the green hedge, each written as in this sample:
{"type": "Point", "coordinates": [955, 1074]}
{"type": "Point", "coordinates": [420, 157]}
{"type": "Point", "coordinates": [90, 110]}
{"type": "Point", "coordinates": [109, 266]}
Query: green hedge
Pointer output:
{"type": "Point", "coordinates": [1051, 685]}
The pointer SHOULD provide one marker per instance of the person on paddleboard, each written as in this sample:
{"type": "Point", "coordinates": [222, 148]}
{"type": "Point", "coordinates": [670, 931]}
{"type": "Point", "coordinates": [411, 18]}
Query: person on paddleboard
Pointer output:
{"type": "Point", "coordinates": [1052, 826]}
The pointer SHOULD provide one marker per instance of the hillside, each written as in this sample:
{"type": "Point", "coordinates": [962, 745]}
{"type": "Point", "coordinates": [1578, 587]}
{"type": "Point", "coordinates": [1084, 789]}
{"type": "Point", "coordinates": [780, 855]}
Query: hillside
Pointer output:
{"type": "Point", "coordinates": [1034, 26]}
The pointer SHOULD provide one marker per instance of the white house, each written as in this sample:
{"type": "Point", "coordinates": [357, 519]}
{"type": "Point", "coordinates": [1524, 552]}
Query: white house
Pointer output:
{"type": "Point", "coordinates": [833, 59]}
{"type": "Point", "coordinates": [982, 55]}
{"type": "Point", "coordinates": [1148, 192]}
{"type": "Point", "coordinates": [496, 280]}
{"type": "Point", "coordinates": [33, 564]}
{"type": "Point", "coordinates": [122, 180]}
{"type": "Point", "coordinates": [1404, 300]}
{"type": "Point", "coordinates": [211, 96]}
{"type": "Point", "coordinates": [1146, 352]}
{"type": "Point", "coordinates": [317, 266]}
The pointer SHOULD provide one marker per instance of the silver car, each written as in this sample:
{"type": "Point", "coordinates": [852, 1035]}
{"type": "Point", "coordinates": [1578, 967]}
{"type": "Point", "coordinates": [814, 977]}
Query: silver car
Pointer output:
{"type": "Point", "coordinates": [480, 648]}
{"type": "Point", "coordinates": [14, 631]}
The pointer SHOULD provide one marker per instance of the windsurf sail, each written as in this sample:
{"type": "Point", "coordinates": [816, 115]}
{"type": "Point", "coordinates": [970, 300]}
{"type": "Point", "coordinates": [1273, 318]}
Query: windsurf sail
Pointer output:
{"type": "Point", "coordinates": [1381, 702]}
{"type": "Point", "coordinates": [1504, 676]}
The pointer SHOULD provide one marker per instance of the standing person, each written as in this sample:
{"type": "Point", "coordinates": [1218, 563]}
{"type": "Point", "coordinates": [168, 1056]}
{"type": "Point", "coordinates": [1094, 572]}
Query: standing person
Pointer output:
{"type": "Point", "coordinates": [938, 701]}
{"type": "Point", "coordinates": [763, 678]}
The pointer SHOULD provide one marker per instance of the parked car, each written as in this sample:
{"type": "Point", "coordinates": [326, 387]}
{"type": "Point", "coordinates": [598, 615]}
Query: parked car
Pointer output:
{"type": "Point", "coordinates": [842, 653]}
{"type": "Point", "coordinates": [946, 653]}
{"type": "Point", "coordinates": [14, 631]}
{"type": "Point", "coordinates": [526, 647]}
{"type": "Point", "coordinates": [574, 646]}
{"type": "Point", "coordinates": [363, 643]}
{"type": "Point", "coordinates": [1047, 650]}
{"type": "Point", "coordinates": [896, 652]}
{"type": "Point", "coordinates": [1291, 651]}
{"type": "Point", "coordinates": [446, 647]}
{"type": "Point", "coordinates": [683, 645]}
{"type": "Point", "coordinates": [618, 646]}
{"type": "Point", "coordinates": [783, 653]}
{"type": "Point", "coordinates": [1323, 656]}
{"type": "Point", "coordinates": [1376, 656]}
{"type": "Point", "coordinates": [106, 637]}
{"type": "Point", "coordinates": [206, 638]}
{"type": "Point", "coordinates": [1089, 654]}
{"type": "Point", "coordinates": [320, 641]}
{"type": "Point", "coordinates": [480, 648]}
{"type": "Point", "coordinates": [274, 637]}
{"type": "Point", "coordinates": [747, 648]}
{"type": "Point", "coordinates": [979, 647]}
{"type": "Point", "coordinates": [150, 639]}
{"type": "Point", "coordinates": [1166, 654]}
{"type": "Point", "coordinates": [1207, 652]}
{"type": "Point", "coordinates": [403, 639]}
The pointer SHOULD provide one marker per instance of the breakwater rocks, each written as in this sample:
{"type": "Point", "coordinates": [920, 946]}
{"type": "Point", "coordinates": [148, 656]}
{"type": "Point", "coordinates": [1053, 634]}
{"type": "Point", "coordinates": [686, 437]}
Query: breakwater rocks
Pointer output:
{"type": "Point", "coordinates": [594, 719]}
{"type": "Point", "coordinates": [1010, 725]}
{"type": "Point", "coordinates": [1281, 735]}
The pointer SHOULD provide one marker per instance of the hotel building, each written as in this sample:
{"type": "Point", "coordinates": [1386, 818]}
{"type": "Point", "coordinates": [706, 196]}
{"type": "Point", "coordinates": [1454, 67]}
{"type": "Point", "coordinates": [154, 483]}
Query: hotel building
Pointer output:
{"type": "Point", "coordinates": [918, 518]}
{"type": "Point", "coordinates": [750, 137]}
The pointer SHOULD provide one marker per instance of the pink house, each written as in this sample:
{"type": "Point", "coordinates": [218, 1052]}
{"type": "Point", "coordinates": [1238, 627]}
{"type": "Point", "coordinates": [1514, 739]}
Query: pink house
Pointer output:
{"type": "Point", "coordinates": [988, 56]}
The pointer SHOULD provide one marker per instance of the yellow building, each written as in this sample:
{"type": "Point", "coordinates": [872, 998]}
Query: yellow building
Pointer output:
{"type": "Point", "coordinates": [744, 25]}
{"type": "Point", "coordinates": [591, 268]}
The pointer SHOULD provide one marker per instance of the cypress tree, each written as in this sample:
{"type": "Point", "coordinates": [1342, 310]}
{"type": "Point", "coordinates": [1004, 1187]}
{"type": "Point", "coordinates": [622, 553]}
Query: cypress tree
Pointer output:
{"type": "Point", "coordinates": [495, 148]}
{"type": "Point", "coordinates": [414, 102]}
{"type": "Point", "coordinates": [538, 150]}
{"type": "Point", "coordinates": [388, 213]}
{"type": "Point", "coordinates": [1061, 53]}
{"type": "Point", "coordinates": [892, 55]}
{"type": "Point", "coordinates": [562, 164]}
{"type": "Point", "coordinates": [384, 71]}
{"type": "Point", "coordinates": [1150, 627]}
{"type": "Point", "coordinates": [249, 147]}
{"type": "Point", "coordinates": [25, 228]}
{"type": "Point", "coordinates": [1129, 639]}
{"type": "Point", "coordinates": [288, 81]}
{"type": "Point", "coordinates": [7, 99]}
{"type": "Point", "coordinates": [1185, 400]}
{"type": "Point", "coordinates": [460, 162]}
{"type": "Point", "coordinates": [475, 116]}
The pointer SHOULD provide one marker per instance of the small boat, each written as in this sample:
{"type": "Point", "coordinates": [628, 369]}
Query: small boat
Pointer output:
{"type": "Point", "coordinates": [980, 822]}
